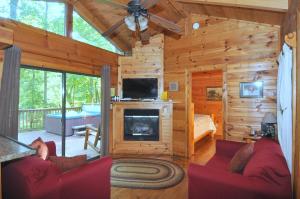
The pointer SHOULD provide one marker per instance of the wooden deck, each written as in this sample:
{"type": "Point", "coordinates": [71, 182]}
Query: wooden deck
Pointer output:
{"type": "Point", "coordinates": [74, 144]}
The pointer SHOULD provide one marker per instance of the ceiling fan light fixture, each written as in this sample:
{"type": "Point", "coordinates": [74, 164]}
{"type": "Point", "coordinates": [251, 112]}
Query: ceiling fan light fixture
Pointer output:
{"type": "Point", "coordinates": [130, 22]}
{"type": "Point", "coordinates": [143, 22]}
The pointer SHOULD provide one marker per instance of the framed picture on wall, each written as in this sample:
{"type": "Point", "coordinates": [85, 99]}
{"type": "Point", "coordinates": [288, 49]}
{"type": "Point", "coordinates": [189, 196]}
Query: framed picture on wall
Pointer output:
{"type": "Point", "coordinates": [214, 93]}
{"type": "Point", "coordinates": [251, 89]}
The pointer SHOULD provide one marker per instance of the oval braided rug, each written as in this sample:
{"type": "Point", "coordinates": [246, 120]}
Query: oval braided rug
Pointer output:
{"type": "Point", "coordinates": [140, 173]}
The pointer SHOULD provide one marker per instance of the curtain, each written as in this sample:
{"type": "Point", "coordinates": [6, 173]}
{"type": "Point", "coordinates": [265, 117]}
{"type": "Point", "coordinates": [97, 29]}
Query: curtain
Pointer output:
{"type": "Point", "coordinates": [284, 103]}
{"type": "Point", "coordinates": [105, 110]}
{"type": "Point", "coordinates": [9, 92]}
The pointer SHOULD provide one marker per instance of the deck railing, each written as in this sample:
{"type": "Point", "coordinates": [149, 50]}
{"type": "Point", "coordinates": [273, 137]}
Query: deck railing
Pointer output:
{"type": "Point", "coordinates": [34, 119]}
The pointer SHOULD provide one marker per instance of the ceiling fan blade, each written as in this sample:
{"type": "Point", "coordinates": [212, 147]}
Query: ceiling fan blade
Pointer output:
{"type": "Point", "coordinates": [149, 3]}
{"type": "Point", "coordinates": [145, 37]}
{"type": "Point", "coordinates": [112, 29]}
{"type": "Point", "coordinates": [113, 3]}
{"type": "Point", "coordinates": [165, 24]}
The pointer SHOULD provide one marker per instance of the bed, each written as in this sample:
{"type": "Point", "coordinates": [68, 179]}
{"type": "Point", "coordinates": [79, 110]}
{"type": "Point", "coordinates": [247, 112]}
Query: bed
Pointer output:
{"type": "Point", "coordinates": [203, 125]}
{"type": "Point", "coordinates": [90, 114]}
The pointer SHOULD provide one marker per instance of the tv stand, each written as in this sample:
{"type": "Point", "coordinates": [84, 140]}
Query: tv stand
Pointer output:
{"type": "Point", "coordinates": [163, 142]}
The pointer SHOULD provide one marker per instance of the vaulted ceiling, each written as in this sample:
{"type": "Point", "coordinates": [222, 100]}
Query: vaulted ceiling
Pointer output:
{"type": "Point", "coordinates": [102, 15]}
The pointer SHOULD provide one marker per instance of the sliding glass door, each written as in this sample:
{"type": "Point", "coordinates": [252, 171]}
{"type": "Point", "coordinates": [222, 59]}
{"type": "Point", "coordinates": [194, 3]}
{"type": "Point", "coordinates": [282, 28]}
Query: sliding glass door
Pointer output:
{"type": "Point", "coordinates": [83, 99]}
{"type": "Point", "coordinates": [40, 106]}
{"type": "Point", "coordinates": [46, 113]}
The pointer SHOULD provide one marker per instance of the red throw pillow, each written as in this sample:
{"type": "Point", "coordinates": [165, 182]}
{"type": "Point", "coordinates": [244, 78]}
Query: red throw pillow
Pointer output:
{"type": "Point", "coordinates": [68, 163]}
{"type": "Point", "coordinates": [240, 158]}
{"type": "Point", "coordinates": [41, 148]}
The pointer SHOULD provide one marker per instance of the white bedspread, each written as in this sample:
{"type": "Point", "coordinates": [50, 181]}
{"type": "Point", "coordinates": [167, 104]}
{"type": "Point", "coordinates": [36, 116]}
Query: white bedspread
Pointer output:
{"type": "Point", "coordinates": [202, 124]}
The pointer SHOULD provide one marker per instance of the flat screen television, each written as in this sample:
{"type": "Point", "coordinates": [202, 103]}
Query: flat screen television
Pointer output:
{"type": "Point", "coordinates": [140, 88]}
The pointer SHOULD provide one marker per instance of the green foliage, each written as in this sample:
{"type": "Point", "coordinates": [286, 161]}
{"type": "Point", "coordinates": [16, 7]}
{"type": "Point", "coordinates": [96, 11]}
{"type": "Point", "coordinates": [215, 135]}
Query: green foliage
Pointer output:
{"type": "Point", "coordinates": [43, 89]}
{"type": "Point", "coordinates": [50, 16]}
{"type": "Point", "coordinates": [82, 90]}
{"type": "Point", "coordinates": [84, 32]}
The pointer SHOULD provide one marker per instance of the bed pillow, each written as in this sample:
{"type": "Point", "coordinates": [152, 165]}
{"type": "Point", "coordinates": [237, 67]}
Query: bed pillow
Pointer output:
{"type": "Point", "coordinates": [241, 158]}
{"type": "Point", "coordinates": [68, 163]}
{"type": "Point", "coordinates": [41, 148]}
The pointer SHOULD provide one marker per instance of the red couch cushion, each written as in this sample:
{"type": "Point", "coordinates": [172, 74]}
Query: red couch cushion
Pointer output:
{"type": "Point", "coordinates": [267, 162]}
{"type": "Point", "coordinates": [241, 158]}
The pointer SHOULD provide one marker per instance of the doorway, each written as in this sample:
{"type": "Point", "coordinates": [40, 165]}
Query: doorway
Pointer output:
{"type": "Point", "coordinates": [206, 105]}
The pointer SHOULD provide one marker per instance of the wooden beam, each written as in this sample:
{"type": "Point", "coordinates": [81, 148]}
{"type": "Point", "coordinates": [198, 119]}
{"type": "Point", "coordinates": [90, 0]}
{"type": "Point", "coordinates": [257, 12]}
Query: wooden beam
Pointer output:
{"type": "Point", "coordinates": [69, 20]}
{"type": "Point", "coordinates": [178, 8]}
{"type": "Point", "coordinates": [44, 49]}
{"type": "Point", "coordinates": [95, 22]}
{"type": "Point", "coordinates": [6, 38]}
{"type": "Point", "coordinates": [271, 5]}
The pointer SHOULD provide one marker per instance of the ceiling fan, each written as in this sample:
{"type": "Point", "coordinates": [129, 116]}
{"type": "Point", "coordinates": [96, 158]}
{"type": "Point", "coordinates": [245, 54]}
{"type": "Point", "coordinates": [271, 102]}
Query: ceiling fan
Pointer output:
{"type": "Point", "coordinates": [138, 19]}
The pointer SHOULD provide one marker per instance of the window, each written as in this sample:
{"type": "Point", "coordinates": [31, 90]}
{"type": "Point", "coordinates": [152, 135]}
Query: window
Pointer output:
{"type": "Point", "coordinates": [49, 16]}
{"type": "Point", "coordinates": [84, 32]}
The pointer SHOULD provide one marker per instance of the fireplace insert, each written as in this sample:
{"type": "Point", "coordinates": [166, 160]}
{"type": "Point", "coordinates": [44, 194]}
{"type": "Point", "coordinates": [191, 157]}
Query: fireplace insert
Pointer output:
{"type": "Point", "coordinates": [141, 124]}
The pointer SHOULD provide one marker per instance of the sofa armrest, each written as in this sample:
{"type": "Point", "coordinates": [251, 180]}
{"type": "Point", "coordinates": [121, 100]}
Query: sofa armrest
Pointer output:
{"type": "Point", "coordinates": [90, 181]}
{"type": "Point", "coordinates": [206, 182]}
{"type": "Point", "coordinates": [227, 148]}
{"type": "Point", "coordinates": [51, 148]}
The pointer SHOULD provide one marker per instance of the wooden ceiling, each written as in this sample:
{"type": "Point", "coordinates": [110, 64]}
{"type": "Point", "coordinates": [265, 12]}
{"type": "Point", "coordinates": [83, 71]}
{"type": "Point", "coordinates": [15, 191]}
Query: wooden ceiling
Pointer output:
{"type": "Point", "coordinates": [102, 16]}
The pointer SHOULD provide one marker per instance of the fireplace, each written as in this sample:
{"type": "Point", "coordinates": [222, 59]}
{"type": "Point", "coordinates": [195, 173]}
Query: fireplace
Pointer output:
{"type": "Point", "coordinates": [141, 124]}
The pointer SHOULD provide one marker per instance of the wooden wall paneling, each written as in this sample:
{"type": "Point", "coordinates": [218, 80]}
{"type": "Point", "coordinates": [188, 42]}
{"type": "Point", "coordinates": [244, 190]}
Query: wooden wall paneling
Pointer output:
{"type": "Point", "coordinates": [6, 38]}
{"type": "Point", "coordinates": [246, 113]}
{"type": "Point", "coordinates": [145, 62]}
{"type": "Point", "coordinates": [44, 49]}
{"type": "Point", "coordinates": [251, 15]}
{"type": "Point", "coordinates": [277, 6]}
{"type": "Point", "coordinates": [245, 51]}
{"type": "Point", "coordinates": [190, 107]}
{"type": "Point", "coordinates": [225, 103]}
{"type": "Point", "coordinates": [179, 111]}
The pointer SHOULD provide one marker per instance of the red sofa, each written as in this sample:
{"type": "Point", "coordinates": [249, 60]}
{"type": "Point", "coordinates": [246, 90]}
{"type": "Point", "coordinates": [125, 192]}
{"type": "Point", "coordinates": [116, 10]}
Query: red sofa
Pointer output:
{"type": "Point", "coordinates": [34, 178]}
{"type": "Point", "coordinates": [266, 175]}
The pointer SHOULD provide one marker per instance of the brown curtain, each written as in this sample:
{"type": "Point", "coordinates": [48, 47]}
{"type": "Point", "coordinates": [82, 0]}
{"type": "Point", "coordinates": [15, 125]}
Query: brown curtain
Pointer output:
{"type": "Point", "coordinates": [105, 110]}
{"type": "Point", "coordinates": [9, 92]}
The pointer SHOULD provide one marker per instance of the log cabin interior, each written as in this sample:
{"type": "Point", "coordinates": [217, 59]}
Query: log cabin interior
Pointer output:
{"type": "Point", "coordinates": [149, 99]}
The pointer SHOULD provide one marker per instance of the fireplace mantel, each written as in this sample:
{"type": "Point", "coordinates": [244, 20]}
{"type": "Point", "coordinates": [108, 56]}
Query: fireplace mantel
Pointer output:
{"type": "Point", "coordinates": [163, 146]}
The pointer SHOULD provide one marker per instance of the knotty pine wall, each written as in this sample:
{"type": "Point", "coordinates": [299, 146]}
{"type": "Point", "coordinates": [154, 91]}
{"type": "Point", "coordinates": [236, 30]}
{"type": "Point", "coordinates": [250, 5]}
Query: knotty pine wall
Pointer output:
{"type": "Point", "coordinates": [147, 61]}
{"type": "Point", "coordinates": [245, 51]}
{"type": "Point", "coordinates": [200, 82]}
{"type": "Point", "coordinates": [48, 50]}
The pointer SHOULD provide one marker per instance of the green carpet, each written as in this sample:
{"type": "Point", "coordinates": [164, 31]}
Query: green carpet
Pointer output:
{"type": "Point", "coordinates": [139, 173]}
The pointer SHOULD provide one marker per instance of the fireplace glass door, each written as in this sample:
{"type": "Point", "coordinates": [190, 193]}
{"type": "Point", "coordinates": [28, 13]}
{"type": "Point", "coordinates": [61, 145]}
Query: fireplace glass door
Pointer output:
{"type": "Point", "coordinates": [141, 124]}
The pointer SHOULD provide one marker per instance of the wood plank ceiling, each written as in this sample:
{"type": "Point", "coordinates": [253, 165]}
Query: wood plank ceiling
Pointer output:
{"type": "Point", "coordinates": [102, 16]}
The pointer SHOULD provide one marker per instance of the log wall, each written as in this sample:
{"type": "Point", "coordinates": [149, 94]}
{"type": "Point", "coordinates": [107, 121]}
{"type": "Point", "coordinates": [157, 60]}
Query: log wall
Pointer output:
{"type": "Point", "coordinates": [48, 50]}
{"type": "Point", "coordinates": [145, 62]}
{"type": "Point", "coordinates": [223, 44]}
